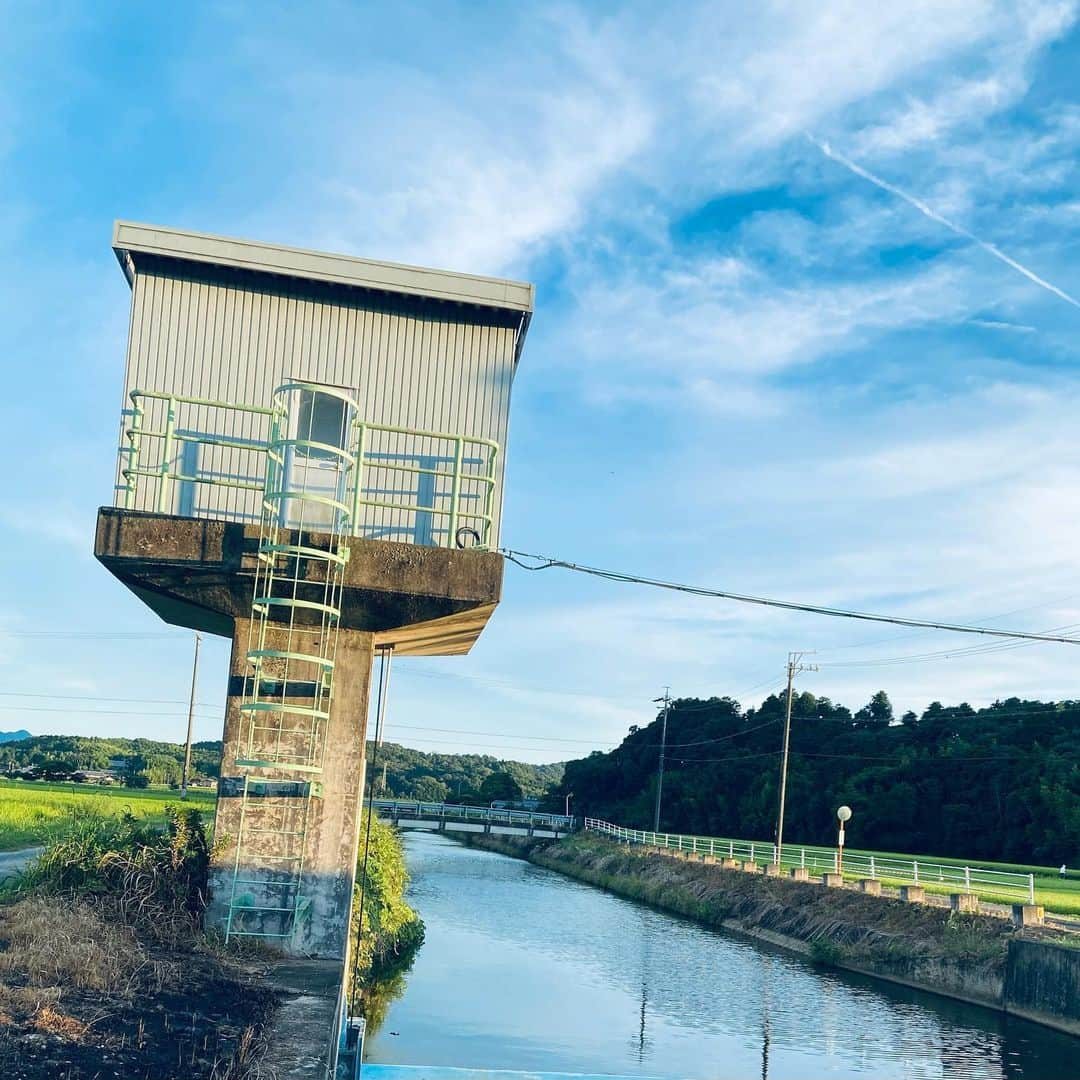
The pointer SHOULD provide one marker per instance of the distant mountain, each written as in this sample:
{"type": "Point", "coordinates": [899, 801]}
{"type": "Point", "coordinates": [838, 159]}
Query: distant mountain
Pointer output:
{"type": "Point", "coordinates": [14, 736]}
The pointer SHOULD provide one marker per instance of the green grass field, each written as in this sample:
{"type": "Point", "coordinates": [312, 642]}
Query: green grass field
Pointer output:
{"type": "Point", "coordinates": [33, 813]}
{"type": "Point", "coordinates": [1061, 895]}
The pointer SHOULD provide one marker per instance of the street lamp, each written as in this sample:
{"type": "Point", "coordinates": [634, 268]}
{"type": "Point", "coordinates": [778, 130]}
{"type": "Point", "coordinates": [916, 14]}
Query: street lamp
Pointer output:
{"type": "Point", "coordinates": [843, 815]}
{"type": "Point", "coordinates": [569, 796]}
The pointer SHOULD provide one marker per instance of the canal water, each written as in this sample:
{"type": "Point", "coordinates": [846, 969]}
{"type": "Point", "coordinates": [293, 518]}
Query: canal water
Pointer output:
{"type": "Point", "coordinates": [523, 969]}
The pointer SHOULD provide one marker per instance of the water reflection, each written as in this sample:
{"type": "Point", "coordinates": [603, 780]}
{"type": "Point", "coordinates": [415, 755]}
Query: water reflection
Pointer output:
{"type": "Point", "coordinates": [525, 969]}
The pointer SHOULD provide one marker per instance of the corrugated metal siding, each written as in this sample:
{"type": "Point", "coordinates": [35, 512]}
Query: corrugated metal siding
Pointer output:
{"type": "Point", "coordinates": [418, 368]}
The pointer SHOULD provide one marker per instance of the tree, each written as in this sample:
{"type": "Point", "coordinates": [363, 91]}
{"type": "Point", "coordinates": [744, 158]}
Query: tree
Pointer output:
{"type": "Point", "coordinates": [428, 789]}
{"type": "Point", "coordinates": [501, 787]}
{"type": "Point", "coordinates": [56, 770]}
{"type": "Point", "coordinates": [877, 713]}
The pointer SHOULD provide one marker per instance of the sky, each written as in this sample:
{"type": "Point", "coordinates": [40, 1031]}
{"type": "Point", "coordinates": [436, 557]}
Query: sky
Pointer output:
{"type": "Point", "coordinates": [806, 326]}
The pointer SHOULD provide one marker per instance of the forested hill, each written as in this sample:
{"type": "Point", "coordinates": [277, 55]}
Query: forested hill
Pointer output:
{"type": "Point", "coordinates": [410, 774]}
{"type": "Point", "coordinates": [413, 774]}
{"type": "Point", "coordinates": [999, 783]}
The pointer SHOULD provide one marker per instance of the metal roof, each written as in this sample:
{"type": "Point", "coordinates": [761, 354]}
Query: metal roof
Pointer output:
{"type": "Point", "coordinates": [131, 238]}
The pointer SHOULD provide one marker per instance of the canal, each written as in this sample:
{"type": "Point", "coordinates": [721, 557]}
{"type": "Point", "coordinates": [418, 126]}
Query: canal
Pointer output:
{"type": "Point", "coordinates": [524, 969]}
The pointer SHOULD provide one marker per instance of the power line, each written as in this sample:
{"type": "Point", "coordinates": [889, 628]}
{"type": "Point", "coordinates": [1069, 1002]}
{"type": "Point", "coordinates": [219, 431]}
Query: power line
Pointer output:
{"type": "Point", "coordinates": [546, 563]}
{"type": "Point", "coordinates": [89, 697]}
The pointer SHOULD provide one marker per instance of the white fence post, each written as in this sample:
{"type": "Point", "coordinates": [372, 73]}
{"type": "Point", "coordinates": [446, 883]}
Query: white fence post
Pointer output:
{"type": "Point", "coordinates": [1031, 888]}
{"type": "Point", "coordinates": [802, 857]}
{"type": "Point", "coordinates": [915, 864]}
{"type": "Point", "coordinates": [967, 879]}
{"type": "Point", "coordinates": [873, 872]}
{"type": "Point", "coordinates": [752, 853]}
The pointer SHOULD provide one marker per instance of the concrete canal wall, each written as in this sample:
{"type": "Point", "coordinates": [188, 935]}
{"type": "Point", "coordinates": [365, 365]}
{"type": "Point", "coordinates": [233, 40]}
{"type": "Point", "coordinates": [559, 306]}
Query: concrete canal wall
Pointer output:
{"type": "Point", "coordinates": [973, 958]}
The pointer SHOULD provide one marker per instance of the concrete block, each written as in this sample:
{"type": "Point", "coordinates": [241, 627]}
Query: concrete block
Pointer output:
{"type": "Point", "coordinates": [1027, 915]}
{"type": "Point", "coordinates": [729, 864]}
{"type": "Point", "coordinates": [800, 873]}
{"type": "Point", "coordinates": [832, 881]}
{"type": "Point", "coordinates": [708, 859]}
{"type": "Point", "coordinates": [772, 870]}
{"type": "Point", "coordinates": [966, 903]}
{"type": "Point", "coordinates": [913, 894]}
{"type": "Point", "coordinates": [870, 886]}
{"type": "Point", "coordinates": [750, 867]}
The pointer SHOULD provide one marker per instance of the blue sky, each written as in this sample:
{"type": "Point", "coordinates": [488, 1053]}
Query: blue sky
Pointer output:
{"type": "Point", "coordinates": [750, 367]}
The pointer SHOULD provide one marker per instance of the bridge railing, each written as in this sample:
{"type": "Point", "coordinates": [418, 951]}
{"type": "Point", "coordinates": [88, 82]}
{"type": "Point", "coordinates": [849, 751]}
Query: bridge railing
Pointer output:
{"type": "Point", "coordinates": [892, 869]}
{"type": "Point", "coordinates": [406, 808]}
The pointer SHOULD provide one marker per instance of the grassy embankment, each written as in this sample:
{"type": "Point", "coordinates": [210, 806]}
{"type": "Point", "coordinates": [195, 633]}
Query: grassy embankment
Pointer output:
{"type": "Point", "coordinates": [33, 812]}
{"type": "Point", "coordinates": [1061, 895]}
{"type": "Point", "coordinates": [926, 945]}
{"type": "Point", "coordinates": [105, 969]}
{"type": "Point", "coordinates": [391, 932]}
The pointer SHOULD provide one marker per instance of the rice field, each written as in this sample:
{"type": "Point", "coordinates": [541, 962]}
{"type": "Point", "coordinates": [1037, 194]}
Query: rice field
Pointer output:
{"type": "Point", "coordinates": [32, 812]}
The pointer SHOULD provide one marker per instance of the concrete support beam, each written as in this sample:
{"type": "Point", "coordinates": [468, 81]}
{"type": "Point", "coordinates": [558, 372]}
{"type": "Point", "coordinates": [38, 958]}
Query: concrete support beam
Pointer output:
{"type": "Point", "coordinates": [333, 818]}
{"type": "Point", "coordinates": [800, 873]}
{"type": "Point", "coordinates": [1027, 915]}
{"type": "Point", "coordinates": [750, 867]}
{"type": "Point", "coordinates": [772, 870]}
{"type": "Point", "coordinates": [966, 903]}
{"type": "Point", "coordinates": [728, 863]}
{"type": "Point", "coordinates": [832, 881]}
{"type": "Point", "coordinates": [709, 859]}
{"type": "Point", "coordinates": [913, 894]}
{"type": "Point", "coordinates": [870, 886]}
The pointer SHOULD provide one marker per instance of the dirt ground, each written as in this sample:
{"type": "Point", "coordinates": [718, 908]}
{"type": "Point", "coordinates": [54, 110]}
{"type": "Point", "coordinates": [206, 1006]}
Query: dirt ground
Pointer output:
{"type": "Point", "coordinates": [81, 999]}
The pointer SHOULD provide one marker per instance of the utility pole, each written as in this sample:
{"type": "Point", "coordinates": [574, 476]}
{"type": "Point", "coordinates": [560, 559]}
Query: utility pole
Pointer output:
{"type": "Point", "coordinates": [666, 699]}
{"type": "Point", "coordinates": [190, 720]}
{"type": "Point", "coordinates": [794, 666]}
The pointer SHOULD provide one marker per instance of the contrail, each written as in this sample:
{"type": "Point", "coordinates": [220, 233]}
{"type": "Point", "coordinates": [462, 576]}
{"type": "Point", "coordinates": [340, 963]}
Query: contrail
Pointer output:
{"type": "Point", "coordinates": [919, 205]}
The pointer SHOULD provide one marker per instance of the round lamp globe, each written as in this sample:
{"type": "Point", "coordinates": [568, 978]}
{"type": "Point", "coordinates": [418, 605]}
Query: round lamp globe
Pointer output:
{"type": "Point", "coordinates": [844, 813]}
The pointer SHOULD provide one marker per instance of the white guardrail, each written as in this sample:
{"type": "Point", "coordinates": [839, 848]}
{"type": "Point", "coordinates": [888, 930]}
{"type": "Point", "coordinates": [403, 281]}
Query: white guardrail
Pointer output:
{"type": "Point", "coordinates": [817, 860]}
{"type": "Point", "coordinates": [404, 808]}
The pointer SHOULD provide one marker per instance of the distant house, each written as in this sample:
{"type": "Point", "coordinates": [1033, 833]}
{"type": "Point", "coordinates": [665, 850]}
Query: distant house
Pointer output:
{"type": "Point", "coordinates": [119, 764]}
{"type": "Point", "coordinates": [94, 776]}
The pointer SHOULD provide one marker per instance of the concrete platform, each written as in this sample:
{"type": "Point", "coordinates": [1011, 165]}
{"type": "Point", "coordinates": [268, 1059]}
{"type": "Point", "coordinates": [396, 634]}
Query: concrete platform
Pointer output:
{"type": "Point", "coordinates": [199, 574]}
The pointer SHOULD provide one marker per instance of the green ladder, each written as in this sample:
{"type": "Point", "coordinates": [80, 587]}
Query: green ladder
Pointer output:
{"type": "Point", "coordinates": [305, 523]}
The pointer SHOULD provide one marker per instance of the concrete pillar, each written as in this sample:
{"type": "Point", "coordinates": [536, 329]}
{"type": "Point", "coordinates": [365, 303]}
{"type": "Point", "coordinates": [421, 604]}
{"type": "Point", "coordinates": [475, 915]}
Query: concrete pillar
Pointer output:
{"type": "Point", "coordinates": [750, 867]}
{"type": "Point", "coordinates": [1027, 915]}
{"type": "Point", "coordinates": [442, 824]}
{"type": "Point", "coordinates": [772, 870]}
{"type": "Point", "coordinates": [729, 864]}
{"type": "Point", "coordinates": [913, 894]}
{"type": "Point", "coordinates": [832, 881]}
{"type": "Point", "coordinates": [800, 873]}
{"type": "Point", "coordinates": [487, 826]}
{"type": "Point", "coordinates": [709, 859]}
{"type": "Point", "coordinates": [870, 886]}
{"type": "Point", "coordinates": [333, 816]}
{"type": "Point", "coordinates": [966, 903]}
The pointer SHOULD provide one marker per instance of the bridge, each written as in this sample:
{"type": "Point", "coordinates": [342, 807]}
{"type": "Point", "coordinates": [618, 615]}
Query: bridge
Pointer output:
{"type": "Point", "coordinates": [450, 817]}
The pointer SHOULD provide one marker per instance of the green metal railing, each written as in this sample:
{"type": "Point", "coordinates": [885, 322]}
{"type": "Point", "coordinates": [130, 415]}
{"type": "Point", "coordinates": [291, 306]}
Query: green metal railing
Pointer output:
{"type": "Point", "coordinates": [164, 470]}
{"type": "Point", "coordinates": [452, 499]}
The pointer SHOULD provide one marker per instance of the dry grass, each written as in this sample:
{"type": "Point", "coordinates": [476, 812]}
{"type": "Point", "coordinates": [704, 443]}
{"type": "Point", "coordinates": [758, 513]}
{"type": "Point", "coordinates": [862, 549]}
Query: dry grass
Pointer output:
{"type": "Point", "coordinates": [50, 1021]}
{"type": "Point", "coordinates": [52, 942]}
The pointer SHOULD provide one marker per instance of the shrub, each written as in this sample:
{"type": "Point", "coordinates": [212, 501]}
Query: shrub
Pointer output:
{"type": "Point", "coordinates": [152, 878]}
